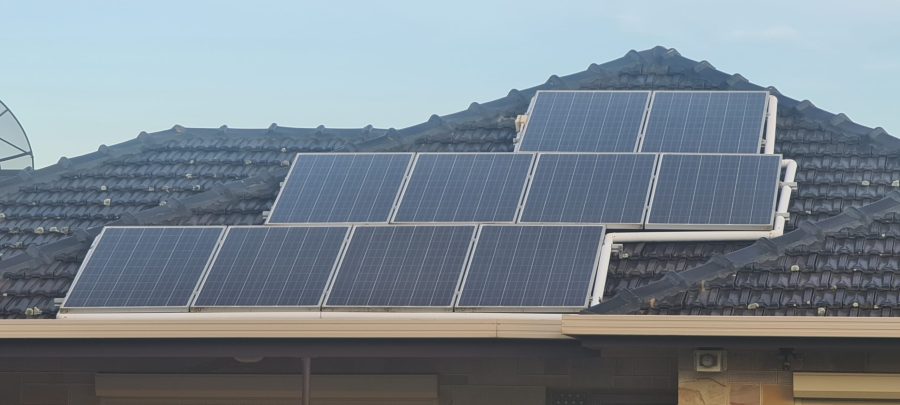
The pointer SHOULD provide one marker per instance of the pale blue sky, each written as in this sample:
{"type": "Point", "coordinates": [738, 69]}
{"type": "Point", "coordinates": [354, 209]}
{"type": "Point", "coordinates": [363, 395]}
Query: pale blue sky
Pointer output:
{"type": "Point", "coordinates": [81, 74]}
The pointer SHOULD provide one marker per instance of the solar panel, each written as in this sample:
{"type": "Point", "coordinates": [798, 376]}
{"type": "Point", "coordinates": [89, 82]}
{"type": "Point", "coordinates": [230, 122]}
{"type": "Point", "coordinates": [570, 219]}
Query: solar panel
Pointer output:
{"type": "Point", "coordinates": [341, 188]}
{"type": "Point", "coordinates": [607, 188]}
{"type": "Point", "coordinates": [532, 267]}
{"type": "Point", "coordinates": [272, 267]}
{"type": "Point", "coordinates": [705, 122]}
{"type": "Point", "coordinates": [715, 191]}
{"type": "Point", "coordinates": [585, 121]}
{"type": "Point", "coordinates": [134, 268]}
{"type": "Point", "coordinates": [401, 266]}
{"type": "Point", "coordinates": [465, 187]}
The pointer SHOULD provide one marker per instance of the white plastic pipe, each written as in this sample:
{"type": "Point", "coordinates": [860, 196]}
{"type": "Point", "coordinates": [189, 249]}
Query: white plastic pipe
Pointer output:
{"type": "Point", "coordinates": [771, 118]}
{"type": "Point", "coordinates": [781, 212]}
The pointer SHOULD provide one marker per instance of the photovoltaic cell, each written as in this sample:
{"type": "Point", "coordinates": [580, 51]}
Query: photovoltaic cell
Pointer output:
{"type": "Point", "coordinates": [736, 191]}
{"type": "Point", "coordinates": [401, 266]}
{"type": "Point", "coordinates": [585, 121]}
{"type": "Point", "coordinates": [608, 188]}
{"type": "Point", "coordinates": [272, 267]}
{"type": "Point", "coordinates": [705, 122]}
{"type": "Point", "coordinates": [522, 267]}
{"type": "Point", "coordinates": [153, 267]}
{"type": "Point", "coordinates": [329, 188]}
{"type": "Point", "coordinates": [465, 187]}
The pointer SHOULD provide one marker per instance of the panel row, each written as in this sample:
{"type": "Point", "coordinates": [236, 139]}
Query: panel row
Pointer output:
{"type": "Point", "coordinates": [619, 190]}
{"type": "Point", "coordinates": [645, 121]}
{"type": "Point", "coordinates": [388, 267]}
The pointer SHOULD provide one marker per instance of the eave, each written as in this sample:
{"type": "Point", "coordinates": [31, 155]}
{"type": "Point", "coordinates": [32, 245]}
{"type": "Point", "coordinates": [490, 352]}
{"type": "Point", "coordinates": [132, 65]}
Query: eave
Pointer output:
{"type": "Point", "coordinates": [334, 325]}
{"type": "Point", "coordinates": [730, 326]}
{"type": "Point", "coordinates": [292, 325]}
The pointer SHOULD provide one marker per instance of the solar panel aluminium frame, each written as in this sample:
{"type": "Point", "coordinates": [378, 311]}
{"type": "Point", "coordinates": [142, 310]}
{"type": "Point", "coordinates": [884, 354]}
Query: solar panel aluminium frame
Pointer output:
{"type": "Point", "coordinates": [519, 207]}
{"type": "Point", "coordinates": [297, 157]}
{"type": "Point", "coordinates": [520, 137]}
{"type": "Point", "coordinates": [554, 309]}
{"type": "Point", "coordinates": [414, 308]}
{"type": "Point", "coordinates": [90, 253]}
{"type": "Point", "coordinates": [647, 197]}
{"type": "Point", "coordinates": [270, 308]}
{"type": "Point", "coordinates": [714, 227]}
{"type": "Point", "coordinates": [649, 113]}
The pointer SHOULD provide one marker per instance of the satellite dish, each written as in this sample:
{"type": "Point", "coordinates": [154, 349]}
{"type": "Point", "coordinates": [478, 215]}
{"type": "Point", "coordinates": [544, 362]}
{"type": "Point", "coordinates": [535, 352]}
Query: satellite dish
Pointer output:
{"type": "Point", "coordinates": [15, 150]}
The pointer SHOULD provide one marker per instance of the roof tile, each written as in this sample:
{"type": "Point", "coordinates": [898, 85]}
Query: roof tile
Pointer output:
{"type": "Point", "coordinates": [845, 267]}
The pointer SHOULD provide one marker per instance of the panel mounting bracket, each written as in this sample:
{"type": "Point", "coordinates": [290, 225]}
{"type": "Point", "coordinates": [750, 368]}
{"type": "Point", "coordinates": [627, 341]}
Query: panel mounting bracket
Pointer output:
{"type": "Point", "coordinates": [618, 250]}
{"type": "Point", "coordinates": [521, 120]}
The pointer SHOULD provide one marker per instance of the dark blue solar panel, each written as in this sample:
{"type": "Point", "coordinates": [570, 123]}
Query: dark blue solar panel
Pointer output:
{"type": "Point", "coordinates": [705, 122]}
{"type": "Point", "coordinates": [532, 267]}
{"type": "Point", "coordinates": [144, 267]}
{"type": "Point", "coordinates": [401, 266]}
{"type": "Point", "coordinates": [698, 190]}
{"type": "Point", "coordinates": [585, 121]}
{"type": "Point", "coordinates": [465, 187]}
{"type": "Point", "coordinates": [272, 267]}
{"type": "Point", "coordinates": [609, 188]}
{"type": "Point", "coordinates": [329, 188]}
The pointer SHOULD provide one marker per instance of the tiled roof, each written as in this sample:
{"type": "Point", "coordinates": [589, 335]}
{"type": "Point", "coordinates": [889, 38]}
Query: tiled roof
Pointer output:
{"type": "Point", "coordinates": [230, 176]}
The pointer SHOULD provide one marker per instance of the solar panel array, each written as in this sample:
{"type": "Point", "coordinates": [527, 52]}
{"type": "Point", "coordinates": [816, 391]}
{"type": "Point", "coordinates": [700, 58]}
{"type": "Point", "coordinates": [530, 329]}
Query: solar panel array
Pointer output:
{"type": "Point", "coordinates": [466, 231]}
{"type": "Point", "coordinates": [620, 121]}
{"type": "Point", "coordinates": [715, 191]}
{"type": "Point", "coordinates": [155, 268]}
{"type": "Point", "coordinates": [521, 266]}
{"type": "Point", "coordinates": [343, 188]}
{"type": "Point", "coordinates": [705, 122]}
{"type": "Point", "coordinates": [272, 267]}
{"type": "Point", "coordinates": [585, 121]}
{"type": "Point", "coordinates": [611, 189]}
{"type": "Point", "coordinates": [465, 187]}
{"type": "Point", "coordinates": [401, 266]}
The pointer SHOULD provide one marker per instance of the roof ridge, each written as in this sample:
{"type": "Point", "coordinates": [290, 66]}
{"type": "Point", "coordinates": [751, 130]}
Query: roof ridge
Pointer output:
{"type": "Point", "coordinates": [674, 282]}
{"type": "Point", "coordinates": [658, 59]}
{"type": "Point", "coordinates": [65, 165]}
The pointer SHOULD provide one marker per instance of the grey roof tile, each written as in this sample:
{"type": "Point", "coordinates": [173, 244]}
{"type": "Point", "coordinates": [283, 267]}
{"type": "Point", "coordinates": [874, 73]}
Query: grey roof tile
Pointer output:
{"type": "Point", "coordinates": [187, 169]}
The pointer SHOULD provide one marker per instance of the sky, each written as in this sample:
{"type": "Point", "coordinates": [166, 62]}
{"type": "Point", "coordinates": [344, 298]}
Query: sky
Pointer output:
{"type": "Point", "coordinates": [81, 74]}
